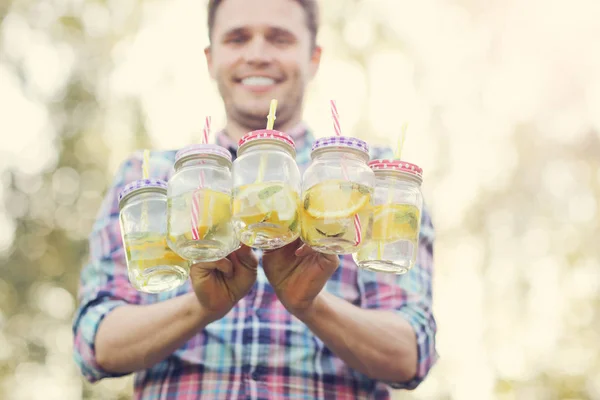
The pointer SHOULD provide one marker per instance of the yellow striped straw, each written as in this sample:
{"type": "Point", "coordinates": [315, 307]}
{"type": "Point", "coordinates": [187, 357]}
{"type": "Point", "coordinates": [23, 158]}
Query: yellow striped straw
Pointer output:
{"type": "Point", "coordinates": [270, 124]}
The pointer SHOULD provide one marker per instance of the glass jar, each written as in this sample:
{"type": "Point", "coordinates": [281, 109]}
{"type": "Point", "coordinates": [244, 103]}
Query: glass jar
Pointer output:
{"type": "Point", "coordinates": [336, 195]}
{"type": "Point", "coordinates": [199, 222]}
{"type": "Point", "coordinates": [266, 190]}
{"type": "Point", "coordinates": [152, 266]}
{"type": "Point", "coordinates": [398, 203]}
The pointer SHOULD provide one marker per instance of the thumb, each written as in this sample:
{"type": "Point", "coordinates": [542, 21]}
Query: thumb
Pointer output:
{"type": "Point", "coordinates": [245, 257]}
{"type": "Point", "coordinates": [304, 251]}
{"type": "Point", "coordinates": [223, 265]}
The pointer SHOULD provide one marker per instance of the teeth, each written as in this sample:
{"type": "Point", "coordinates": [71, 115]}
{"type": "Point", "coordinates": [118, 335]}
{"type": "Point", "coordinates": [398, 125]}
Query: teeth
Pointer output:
{"type": "Point", "coordinates": [258, 81]}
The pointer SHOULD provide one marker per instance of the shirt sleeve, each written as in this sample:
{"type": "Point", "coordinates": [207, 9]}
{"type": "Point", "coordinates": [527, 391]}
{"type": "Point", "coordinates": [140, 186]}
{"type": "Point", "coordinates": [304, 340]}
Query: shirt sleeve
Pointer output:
{"type": "Point", "coordinates": [104, 283]}
{"type": "Point", "coordinates": [409, 295]}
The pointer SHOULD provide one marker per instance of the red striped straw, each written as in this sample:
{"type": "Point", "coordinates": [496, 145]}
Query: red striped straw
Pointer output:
{"type": "Point", "coordinates": [336, 119]}
{"type": "Point", "coordinates": [206, 130]}
{"type": "Point", "coordinates": [195, 201]}
{"type": "Point", "coordinates": [338, 132]}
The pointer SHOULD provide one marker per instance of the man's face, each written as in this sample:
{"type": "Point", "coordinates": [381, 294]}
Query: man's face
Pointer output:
{"type": "Point", "coordinates": [261, 50]}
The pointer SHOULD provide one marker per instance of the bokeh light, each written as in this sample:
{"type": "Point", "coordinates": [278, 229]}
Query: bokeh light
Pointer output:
{"type": "Point", "coordinates": [502, 101]}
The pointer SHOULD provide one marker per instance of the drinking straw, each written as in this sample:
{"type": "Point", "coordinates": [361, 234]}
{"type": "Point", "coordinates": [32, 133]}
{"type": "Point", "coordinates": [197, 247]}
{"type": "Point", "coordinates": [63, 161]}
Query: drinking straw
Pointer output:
{"type": "Point", "coordinates": [270, 123]}
{"type": "Point", "coordinates": [271, 117]}
{"type": "Point", "coordinates": [145, 175]}
{"type": "Point", "coordinates": [195, 202]}
{"type": "Point", "coordinates": [338, 132]}
{"type": "Point", "coordinates": [146, 164]}
{"type": "Point", "coordinates": [401, 139]}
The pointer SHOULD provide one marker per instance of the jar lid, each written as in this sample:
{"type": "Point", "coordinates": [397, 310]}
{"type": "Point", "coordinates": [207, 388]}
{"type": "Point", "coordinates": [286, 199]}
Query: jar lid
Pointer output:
{"type": "Point", "coordinates": [341, 142]}
{"type": "Point", "coordinates": [267, 134]}
{"type": "Point", "coordinates": [203, 149]}
{"type": "Point", "coordinates": [397, 165]}
{"type": "Point", "coordinates": [142, 184]}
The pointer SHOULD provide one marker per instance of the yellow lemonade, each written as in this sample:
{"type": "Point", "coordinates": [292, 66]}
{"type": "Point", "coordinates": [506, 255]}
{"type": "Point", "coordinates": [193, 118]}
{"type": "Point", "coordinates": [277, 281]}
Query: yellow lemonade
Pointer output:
{"type": "Point", "coordinates": [152, 266]}
{"type": "Point", "coordinates": [395, 221]}
{"type": "Point", "coordinates": [209, 213]}
{"type": "Point", "coordinates": [328, 216]}
{"type": "Point", "coordinates": [265, 215]}
{"type": "Point", "coordinates": [394, 239]}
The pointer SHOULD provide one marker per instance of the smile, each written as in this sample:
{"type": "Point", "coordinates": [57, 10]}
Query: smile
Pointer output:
{"type": "Point", "coordinates": [257, 81]}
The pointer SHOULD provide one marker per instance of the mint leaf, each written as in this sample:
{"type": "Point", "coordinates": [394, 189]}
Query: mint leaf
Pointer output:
{"type": "Point", "coordinates": [335, 235]}
{"type": "Point", "coordinates": [406, 218]}
{"type": "Point", "coordinates": [294, 223]}
{"type": "Point", "coordinates": [269, 191]}
{"type": "Point", "coordinates": [211, 232]}
{"type": "Point", "coordinates": [267, 217]}
{"type": "Point", "coordinates": [363, 189]}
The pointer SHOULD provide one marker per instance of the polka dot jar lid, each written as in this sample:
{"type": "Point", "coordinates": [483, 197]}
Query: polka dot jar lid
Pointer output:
{"type": "Point", "coordinates": [397, 165]}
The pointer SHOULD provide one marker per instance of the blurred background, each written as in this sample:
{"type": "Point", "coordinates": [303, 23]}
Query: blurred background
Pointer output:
{"type": "Point", "coordinates": [502, 98]}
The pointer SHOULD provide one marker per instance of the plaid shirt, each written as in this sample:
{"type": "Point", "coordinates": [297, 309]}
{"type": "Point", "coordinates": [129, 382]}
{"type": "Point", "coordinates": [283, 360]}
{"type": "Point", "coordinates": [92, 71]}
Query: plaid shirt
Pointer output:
{"type": "Point", "coordinates": [258, 350]}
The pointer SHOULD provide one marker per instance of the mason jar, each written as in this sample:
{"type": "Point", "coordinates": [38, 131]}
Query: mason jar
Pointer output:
{"type": "Point", "coordinates": [337, 190]}
{"type": "Point", "coordinates": [151, 264]}
{"type": "Point", "coordinates": [199, 224]}
{"type": "Point", "coordinates": [398, 204]}
{"type": "Point", "coordinates": [266, 190]}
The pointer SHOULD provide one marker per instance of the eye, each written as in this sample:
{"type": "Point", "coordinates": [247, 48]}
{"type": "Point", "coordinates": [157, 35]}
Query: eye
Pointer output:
{"type": "Point", "coordinates": [281, 38]}
{"type": "Point", "coordinates": [237, 36]}
{"type": "Point", "coordinates": [236, 39]}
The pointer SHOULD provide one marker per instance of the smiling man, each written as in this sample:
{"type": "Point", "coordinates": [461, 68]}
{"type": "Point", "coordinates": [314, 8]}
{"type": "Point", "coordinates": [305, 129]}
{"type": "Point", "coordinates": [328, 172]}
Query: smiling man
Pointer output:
{"type": "Point", "coordinates": [291, 323]}
{"type": "Point", "coordinates": [261, 50]}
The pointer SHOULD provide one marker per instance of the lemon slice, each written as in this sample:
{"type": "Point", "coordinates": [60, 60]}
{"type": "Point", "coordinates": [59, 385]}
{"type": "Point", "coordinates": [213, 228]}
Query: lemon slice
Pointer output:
{"type": "Point", "coordinates": [335, 199]}
{"type": "Point", "coordinates": [214, 209]}
{"type": "Point", "coordinates": [284, 202]}
{"type": "Point", "coordinates": [391, 222]}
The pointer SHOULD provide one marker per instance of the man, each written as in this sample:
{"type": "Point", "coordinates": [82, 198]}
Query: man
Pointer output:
{"type": "Point", "coordinates": [290, 323]}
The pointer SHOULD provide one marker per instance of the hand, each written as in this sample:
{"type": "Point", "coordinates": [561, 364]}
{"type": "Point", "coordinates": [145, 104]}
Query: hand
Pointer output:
{"type": "Point", "coordinates": [219, 285]}
{"type": "Point", "coordinates": [298, 274]}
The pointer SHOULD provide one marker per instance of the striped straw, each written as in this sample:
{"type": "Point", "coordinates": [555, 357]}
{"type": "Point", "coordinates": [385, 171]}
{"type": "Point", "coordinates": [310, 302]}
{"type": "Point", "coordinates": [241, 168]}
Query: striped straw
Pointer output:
{"type": "Point", "coordinates": [336, 119]}
{"type": "Point", "coordinates": [206, 130]}
{"type": "Point", "coordinates": [194, 217]}
{"type": "Point", "coordinates": [195, 200]}
{"type": "Point", "coordinates": [338, 132]}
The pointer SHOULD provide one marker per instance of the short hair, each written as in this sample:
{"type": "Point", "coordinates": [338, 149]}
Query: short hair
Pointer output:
{"type": "Point", "coordinates": [311, 9]}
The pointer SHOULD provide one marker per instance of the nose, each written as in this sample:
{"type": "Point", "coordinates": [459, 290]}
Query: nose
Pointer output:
{"type": "Point", "coordinates": [258, 51]}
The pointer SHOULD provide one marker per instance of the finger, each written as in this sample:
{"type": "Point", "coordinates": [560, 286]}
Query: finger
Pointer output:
{"type": "Point", "coordinates": [304, 251]}
{"type": "Point", "coordinates": [244, 257]}
{"type": "Point", "coordinates": [223, 265]}
{"type": "Point", "coordinates": [333, 261]}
